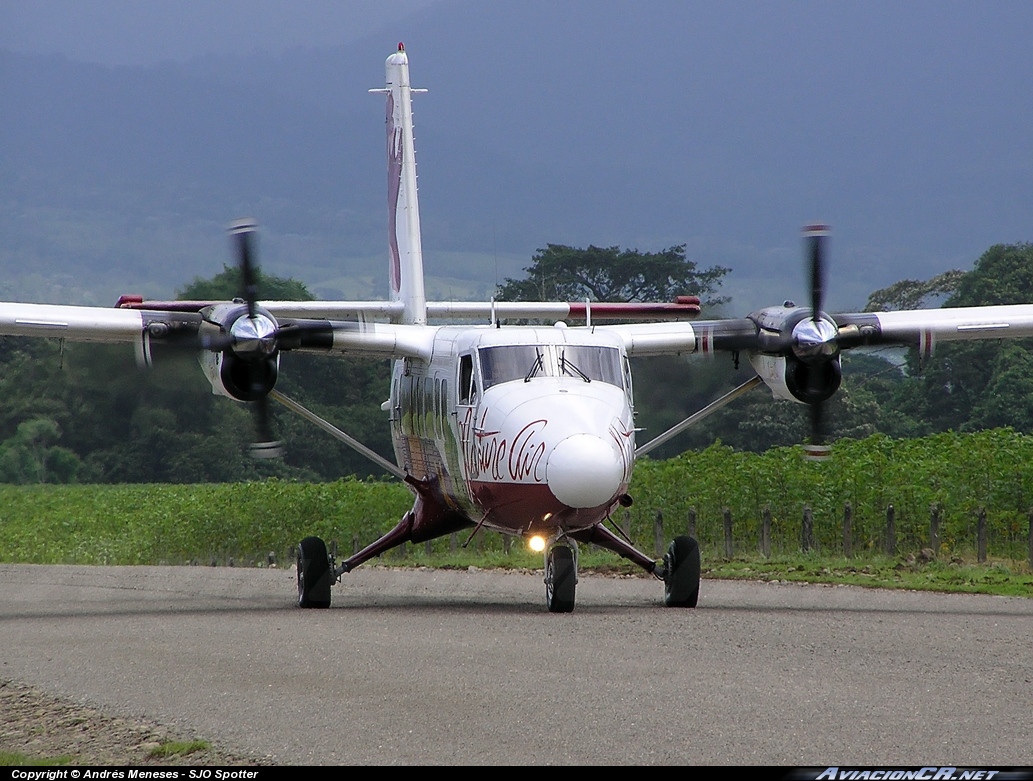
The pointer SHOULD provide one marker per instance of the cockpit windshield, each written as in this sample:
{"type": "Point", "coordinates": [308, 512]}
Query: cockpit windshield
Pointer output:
{"type": "Point", "coordinates": [512, 362]}
{"type": "Point", "coordinates": [590, 363]}
{"type": "Point", "coordinates": [525, 362]}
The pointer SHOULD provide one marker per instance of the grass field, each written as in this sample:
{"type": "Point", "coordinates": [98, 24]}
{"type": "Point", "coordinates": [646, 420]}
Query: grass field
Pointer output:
{"type": "Point", "coordinates": [256, 524]}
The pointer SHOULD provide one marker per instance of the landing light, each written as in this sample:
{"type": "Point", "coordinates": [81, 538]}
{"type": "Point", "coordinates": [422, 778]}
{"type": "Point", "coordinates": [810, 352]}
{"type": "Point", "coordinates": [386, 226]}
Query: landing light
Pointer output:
{"type": "Point", "coordinates": [536, 543]}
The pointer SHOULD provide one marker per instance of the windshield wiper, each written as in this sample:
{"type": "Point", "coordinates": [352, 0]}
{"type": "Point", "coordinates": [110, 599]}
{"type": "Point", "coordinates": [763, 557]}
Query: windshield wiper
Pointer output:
{"type": "Point", "coordinates": [574, 370]}
{"type": "Point", "coordinates": [534, 366]}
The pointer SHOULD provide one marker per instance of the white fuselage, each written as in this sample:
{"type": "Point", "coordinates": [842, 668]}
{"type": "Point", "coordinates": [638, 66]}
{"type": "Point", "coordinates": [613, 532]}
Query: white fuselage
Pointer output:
{"type": "Point", "coordinates": [522, 429]}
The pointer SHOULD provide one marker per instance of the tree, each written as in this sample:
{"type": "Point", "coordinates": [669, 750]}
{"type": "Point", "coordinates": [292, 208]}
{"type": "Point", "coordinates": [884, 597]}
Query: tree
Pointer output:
{"type": "Point", "coordinates": [914, 294]}
{"type": "Point", "coordinates": [31, 456]}
{"type": "Point", "coordinates": [562, 273]}
{"type": "Point", "coordinates": [347, 391]}
{"type": "Point", "coordinates": [974, 385]}
{"type": "Point", "coordinates": [227, 284]}
{"type": "Point", "coordinates": [667, 389]}
{"type": "Point", "coordinates": [84, 412]}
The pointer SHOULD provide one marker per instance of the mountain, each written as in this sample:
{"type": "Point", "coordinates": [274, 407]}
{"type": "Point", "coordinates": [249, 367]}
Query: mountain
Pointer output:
{"type": "Point", "coordinates": [724, 127]}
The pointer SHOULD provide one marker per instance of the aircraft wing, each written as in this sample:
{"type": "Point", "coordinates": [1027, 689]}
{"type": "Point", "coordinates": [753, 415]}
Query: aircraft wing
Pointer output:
{"type": "Point", "coordinates": [79, 323]}
{"type": "Point", "coordinates": [771, 330]}
{"type": "Point", "coordinates": [209, 329]}
{"type": "Point", "coordinates": [922, 328]}
{"type": "Point", "coordinates": [684, 307]}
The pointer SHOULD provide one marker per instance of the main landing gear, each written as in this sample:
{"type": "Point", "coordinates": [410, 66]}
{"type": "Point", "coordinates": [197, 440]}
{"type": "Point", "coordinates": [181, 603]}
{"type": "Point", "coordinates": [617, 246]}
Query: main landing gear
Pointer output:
{"type": "Point", "coordinates": [679, 569]}
{"type": "Point", "coordinates": [681, 573]}
{"type": "Point", "coordinates": [314, 576]}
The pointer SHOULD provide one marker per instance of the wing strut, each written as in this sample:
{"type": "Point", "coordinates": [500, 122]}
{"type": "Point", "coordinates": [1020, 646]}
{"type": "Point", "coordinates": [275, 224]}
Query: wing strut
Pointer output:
{"type": "Point", "coordinates": [335, 432]}
{"type": "Point", "coordinates": [696, 417]}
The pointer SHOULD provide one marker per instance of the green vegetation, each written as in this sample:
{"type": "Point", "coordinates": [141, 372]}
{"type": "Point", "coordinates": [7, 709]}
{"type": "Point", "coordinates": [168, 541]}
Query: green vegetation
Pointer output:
{"type": "Point", "coordinates": [82, 413]}
{"type": "Point", "coordinates": [14, 759]}
{"type": "Point", "coordinates": [178, 748]}
{"type": "Point", "coordinates": [1003, 578]}
{"type": "Point", "coordinates": [243, 522]}
{"type": "Point", "coordinates": [561, 273]}
{"type": "Point", "coordinates": [959, 473]}
{"type": "Point", "coordinates": [176, 524]}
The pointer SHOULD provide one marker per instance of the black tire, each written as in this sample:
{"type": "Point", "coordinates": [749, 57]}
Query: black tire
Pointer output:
{"type": "Point", "coordinates": [681, 577]}
{"type": "Point", "coordinates": [560, 579]}
{"type": "Point", "coordinates": [313, 574]}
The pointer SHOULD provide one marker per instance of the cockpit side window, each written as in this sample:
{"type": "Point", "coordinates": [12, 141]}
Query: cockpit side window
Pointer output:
{"type": "Point", "coordinates": [466, 380]}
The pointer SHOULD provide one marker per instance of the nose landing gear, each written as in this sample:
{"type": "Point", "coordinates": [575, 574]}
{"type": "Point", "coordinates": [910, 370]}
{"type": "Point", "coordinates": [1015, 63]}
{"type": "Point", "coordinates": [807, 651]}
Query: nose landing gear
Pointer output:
{"type": "Point", "coordinates": [560, 576]}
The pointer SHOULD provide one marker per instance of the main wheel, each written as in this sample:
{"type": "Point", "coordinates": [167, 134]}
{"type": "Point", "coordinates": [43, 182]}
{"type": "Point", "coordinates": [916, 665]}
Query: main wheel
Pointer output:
{"type": "Point", "coordinates": [681, 573]}
{"type": "Point", "coordinates": [560, 579]}
{"type": "Point", "coordinates": [313, 574]}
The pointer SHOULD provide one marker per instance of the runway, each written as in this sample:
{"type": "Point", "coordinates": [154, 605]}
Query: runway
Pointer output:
{"type": "Point", "coordinates": [443, 667]}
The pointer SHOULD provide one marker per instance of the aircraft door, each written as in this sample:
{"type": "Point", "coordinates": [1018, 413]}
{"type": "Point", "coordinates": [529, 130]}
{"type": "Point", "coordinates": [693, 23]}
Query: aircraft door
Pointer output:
{"type": "Point", "coordinates": [467, 396]}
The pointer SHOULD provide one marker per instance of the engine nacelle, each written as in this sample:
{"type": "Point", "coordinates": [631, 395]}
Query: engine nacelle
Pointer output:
{"type": "Point", "coordinates": [243, 360]}
{"type": "Point", "coordinates": [793, 380]}
{"type": "Point", "coordinates": [240, 379]}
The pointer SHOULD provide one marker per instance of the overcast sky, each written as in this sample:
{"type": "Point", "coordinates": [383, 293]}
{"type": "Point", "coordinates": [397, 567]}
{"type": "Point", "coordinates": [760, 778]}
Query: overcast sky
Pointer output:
{"type": "Point", "coordinates": [641, 123]}
{"type": "Point", "coordinates": [144, 32]}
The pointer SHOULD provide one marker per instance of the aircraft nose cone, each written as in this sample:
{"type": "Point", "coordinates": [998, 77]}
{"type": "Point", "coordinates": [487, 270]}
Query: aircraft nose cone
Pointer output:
{"type": "Point", "coordinates": [584, 471]}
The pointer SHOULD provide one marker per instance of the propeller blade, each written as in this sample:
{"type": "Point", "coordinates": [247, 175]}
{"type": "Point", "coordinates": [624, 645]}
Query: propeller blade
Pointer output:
{"type": "Point", "coordinates": [816, 449]}
{"type": "Point", "coordinates": [265, 446]}
{"type": "Point", "coordinates": [243, 231]}
{"type": "Point", "coordinates": [815, 237]}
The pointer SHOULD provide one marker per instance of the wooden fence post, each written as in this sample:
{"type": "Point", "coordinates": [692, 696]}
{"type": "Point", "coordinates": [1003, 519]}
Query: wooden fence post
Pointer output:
{"type": "Point", "coordinates": [935, 514]}
{"type": "Point", "coordinates": [453, 542]}
{"type": "Point", "coordinates": [658, 533]}
{"type": "Point", "coordinates": [728, 533]}
{"type": "Point", "coordinates": [981, 536]}
{"type": "Point", "coordinates": [507, 543]}
{"type": "Point", "coordinates": [848, 530]}
{"type": "Point", "coordinates": [691, 523]}
{"type": "Point", "coordinates": [1030, 517]}
{"type": "Point", "coordinates": [428, 546]}
{"type": "Point", "coordinates": [765, 532]}
{"type": "Point", "coordinates": [807, 536]}
{"type": "Point", "coordinates": [355, 544]}
{"type": "Point", "coordinates": [891, 531]}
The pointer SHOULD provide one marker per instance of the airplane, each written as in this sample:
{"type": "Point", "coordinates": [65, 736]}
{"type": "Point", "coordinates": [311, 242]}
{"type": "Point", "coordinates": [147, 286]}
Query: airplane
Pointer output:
{"type": "Point", "coordinates": [528, 430]}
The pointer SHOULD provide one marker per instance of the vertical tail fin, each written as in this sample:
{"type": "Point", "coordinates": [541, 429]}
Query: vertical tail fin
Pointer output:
{"type": "Point", "coordinates": [403, 211]}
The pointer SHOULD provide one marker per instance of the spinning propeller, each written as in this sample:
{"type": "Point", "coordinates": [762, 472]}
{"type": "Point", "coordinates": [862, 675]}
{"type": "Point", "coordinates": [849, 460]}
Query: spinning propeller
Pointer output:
{"type": "Point", "coordinates": [815, 341]}
{"type": "Point", "coordinates": [255, 340]}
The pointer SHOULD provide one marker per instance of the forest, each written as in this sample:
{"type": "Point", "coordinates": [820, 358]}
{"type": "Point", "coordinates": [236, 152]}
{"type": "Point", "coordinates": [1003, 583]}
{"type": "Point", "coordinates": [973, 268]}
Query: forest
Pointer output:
{"type": "Point", "coordinates": [78, 413]}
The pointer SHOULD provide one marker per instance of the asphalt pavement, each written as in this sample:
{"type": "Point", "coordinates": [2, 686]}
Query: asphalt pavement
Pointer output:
{"type": "Point", "coordinates": [447, 667]}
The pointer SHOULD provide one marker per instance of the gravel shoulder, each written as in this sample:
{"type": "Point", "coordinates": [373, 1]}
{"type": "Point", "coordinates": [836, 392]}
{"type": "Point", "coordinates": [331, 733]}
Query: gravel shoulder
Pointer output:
{"type": "Point", "coordinates": [44, 727]}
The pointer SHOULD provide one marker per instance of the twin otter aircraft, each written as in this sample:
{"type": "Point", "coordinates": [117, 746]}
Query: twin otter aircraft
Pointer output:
{"type": "Point", "coordinates": [528, 430]}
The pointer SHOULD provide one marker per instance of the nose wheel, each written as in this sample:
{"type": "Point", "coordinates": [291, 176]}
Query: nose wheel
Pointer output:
{"type": "Point", "coordinates": [681, 573]}
{"type": "Point", "coordinates": [560, 578]}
